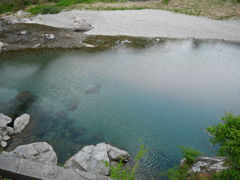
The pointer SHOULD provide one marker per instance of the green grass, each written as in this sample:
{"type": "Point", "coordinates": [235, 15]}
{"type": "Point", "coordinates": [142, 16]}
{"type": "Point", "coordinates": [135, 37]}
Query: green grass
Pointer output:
{"type": "Point", "coordinates": [44, 9]}
{"type": "Point", "coordinates": [6, 8]}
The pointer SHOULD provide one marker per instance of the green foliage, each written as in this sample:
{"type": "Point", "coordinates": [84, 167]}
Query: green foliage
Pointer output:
{"type": "Point", "coordinates": [60, 165]}
{"type": "Point", "coordinates": [166, 1]}
{"type": "Point", "coordinates": [189, 153]}
{"type": "Point", "coordinates": [6, 8]}
{"type": "Point", "coordinates": [44, 9]}
{"type": "Point", "coordinates": [176, 173]}
{"type": "Point", "coordinates": [1, 150]}
{"type": "Point", "coordinates": [227, 136]}
{"type": "Point", "coordinates": [118, 173]}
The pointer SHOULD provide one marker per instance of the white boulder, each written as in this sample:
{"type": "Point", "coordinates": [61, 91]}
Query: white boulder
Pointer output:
{"type": "Point", "coordinates": [21, 122]}
{"type": "Point", "coordinates": [4, 120]}
{"type": "Point", "coordinates": [10, 130]}
{"type": "Point", "coordinates": [80, 24]}
{"type": "Point", "coordinates": [39, 152]}
{"type": "Point", "coordinates": [3, 143]}
{"type": "Point", "coordinates": [90, 158]}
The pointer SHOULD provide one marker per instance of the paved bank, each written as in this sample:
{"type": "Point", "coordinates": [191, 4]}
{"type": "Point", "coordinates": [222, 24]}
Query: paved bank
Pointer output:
{"type": "Point", "coordinates": [27, 169]}
{"type": "Point", "coordinates": [146, 23]}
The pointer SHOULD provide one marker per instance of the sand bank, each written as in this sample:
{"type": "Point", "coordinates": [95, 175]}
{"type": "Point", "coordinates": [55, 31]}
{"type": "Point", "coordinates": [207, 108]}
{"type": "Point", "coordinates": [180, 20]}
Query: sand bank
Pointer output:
{"type": "Point", "coordinates": [146, 23]}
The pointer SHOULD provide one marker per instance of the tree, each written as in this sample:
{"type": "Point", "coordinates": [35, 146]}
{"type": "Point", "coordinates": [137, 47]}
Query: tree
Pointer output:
{"type": "Point", "coordinates": [227, 136]}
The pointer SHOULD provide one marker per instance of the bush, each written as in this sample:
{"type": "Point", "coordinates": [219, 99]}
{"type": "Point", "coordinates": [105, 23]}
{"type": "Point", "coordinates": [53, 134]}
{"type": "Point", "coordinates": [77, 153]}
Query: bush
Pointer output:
{"type": "Point", "coordinates": [227, 136]}
{"type": "Point", "coordinates": [176, 173]}
{"type": "Point", "coordinates": [190, 154]}
{"type": "Point", "coordinates": [117, 173]}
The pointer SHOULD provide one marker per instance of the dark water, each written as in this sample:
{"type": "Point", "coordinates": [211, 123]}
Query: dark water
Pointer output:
{"type": "Point", "coordinates": [118, 96]}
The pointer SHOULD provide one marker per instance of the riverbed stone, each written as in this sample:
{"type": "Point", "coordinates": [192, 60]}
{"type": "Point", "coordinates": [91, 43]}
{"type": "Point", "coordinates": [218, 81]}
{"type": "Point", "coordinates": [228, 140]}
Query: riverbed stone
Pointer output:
{"type": "Point", "coordinates": [6, 137]}
{"type": "Point", "coordinates": [10, 130]}
{"type": "Point", "coordinates": [49, 36]}
{"type": "Point", "coordinates": [22, 33]}
{"type": "Point", "coordinates": [80, 24]}
{"type": "Point", "coordinates": [4, 120]}
{"type": "Point", "coordinates": [39, 152]}
{"type": "Point", "coordinates": [21, 122]}
{"type": "Point", "coordinates": [3, 143]}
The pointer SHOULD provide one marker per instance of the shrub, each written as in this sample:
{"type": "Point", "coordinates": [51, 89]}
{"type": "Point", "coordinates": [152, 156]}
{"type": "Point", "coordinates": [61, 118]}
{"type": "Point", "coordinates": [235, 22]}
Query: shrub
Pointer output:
{"type": "Point", "coordinates": [176, 173]}
{"type": "Point", "coordinates": [227, 136]}
{"type": "Point", "coordinates": [118, 173]}
{"type": "Point", "coordinates": [190, 154]}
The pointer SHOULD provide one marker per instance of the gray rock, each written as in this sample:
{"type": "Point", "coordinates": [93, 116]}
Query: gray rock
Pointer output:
{"type": "Point", "coordinates": [90, 158]}
{"type": "Point", "coordinates": [19, 13]}
{"type": "Point", "coordinates": [21, 122]}
{"type": "Point", "coordinates": [39, 152]}
{"type": "Point", "coordinates": [80, 24]}
{"type": "Point", "coordinates": [3, 143]}
{"type": "Point", "coordinates": [182, 161]}
{"type": "Point", "coordinates": [49, 36]}
{"type": "Point", "coordinates": [116, 154]}
{"type": "Point", "coordinates": [0, 137]}
{"type": "Point", "coordinates": [4, 120]}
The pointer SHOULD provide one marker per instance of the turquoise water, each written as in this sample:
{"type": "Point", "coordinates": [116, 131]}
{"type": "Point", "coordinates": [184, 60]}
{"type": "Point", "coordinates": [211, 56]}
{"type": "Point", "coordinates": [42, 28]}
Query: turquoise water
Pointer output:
{"type": "Point", "coordinates": [159, 94]}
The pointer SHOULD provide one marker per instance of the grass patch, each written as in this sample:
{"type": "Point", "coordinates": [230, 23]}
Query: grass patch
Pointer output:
{"type": "Point", "coordinates": [6, 8]}
{"type": "Point", "coordinates": [44, 9]}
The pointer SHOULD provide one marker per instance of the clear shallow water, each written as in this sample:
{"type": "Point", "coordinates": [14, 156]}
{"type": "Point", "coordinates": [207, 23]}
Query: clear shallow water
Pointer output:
{"type": "Point", "coordinates": [123, 94]}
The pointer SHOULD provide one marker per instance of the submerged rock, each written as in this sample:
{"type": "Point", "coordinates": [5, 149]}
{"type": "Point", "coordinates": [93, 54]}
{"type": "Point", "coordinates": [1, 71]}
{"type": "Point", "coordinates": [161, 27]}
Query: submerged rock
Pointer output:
{"type": "Point", "coordinates": [25, 97]}
{"type": "Point", "coordinates": [21, 122]}
{"type": "Point", "coordinates": [39, 152]}
{"type": "Point", "coordinates": [96, 138]}
{"type": "Point", "coordinates": [62, 114]}
{"type": "Point", "coordinates": [80, 24]}
{"type": "Point", "coordinates": [94, 89]}
{"type": "Point", "coordinates": [70, 121]}
{"type": "Point", "coordinates": [77, 131]}
{"type": "Point", "coordinates": [72, 105]}
{"type": "Point", "coordinates": [90, 158]}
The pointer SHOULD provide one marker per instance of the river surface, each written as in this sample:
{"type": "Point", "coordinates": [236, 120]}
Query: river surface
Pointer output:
{"type": "Point", "coordinates": [161, 93]}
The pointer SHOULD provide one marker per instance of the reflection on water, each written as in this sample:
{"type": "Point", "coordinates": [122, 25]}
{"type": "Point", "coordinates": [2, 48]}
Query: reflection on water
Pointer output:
{"type": "Point", "coordinates": [118, 96]}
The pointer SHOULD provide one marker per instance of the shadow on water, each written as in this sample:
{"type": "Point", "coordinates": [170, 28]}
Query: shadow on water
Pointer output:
{"type": "Point", "coordinates": [45, 125]}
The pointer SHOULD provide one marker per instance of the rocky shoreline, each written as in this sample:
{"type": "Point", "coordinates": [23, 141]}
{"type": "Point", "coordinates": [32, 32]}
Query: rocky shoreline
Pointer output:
{"type": "Point", "coordinates": [88, 159]}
